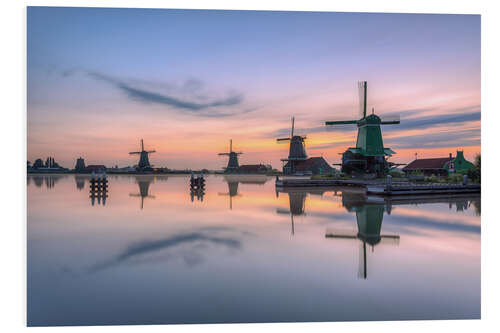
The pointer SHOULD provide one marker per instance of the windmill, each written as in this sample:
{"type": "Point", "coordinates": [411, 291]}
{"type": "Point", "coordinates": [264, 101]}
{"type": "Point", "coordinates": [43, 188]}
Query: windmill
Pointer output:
{"type": "Point", "coordinates": [144, 157]}
{"type": "Point", "coordinates": [369, 219]}
{"type": "Point", "coordinates": [232, 165]}
{"type": "Point", "coordinates": [369, 155]}
{"type": "Point", "coordinates": [296, 153]}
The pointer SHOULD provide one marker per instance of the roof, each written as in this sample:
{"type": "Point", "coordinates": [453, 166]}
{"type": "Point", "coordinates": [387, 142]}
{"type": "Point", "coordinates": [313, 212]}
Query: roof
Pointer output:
{"type": "Point", "coordinates": [427, 163]}
{"type": "Point", "coordinates": [309, 163]}
{"type": "Point", "coordinates": [252, 167]}
{"type": "Point", "coordinates": [96, 166]}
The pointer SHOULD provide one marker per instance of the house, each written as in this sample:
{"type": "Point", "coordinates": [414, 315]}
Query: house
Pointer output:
{"type": "Point", "coordinates": [312, 165]}
{"type": "Point", "coordinates": [439, 166]}
{"type": "Point", "coordinates": [95, 168]}
{"type": "Point", "coordinates": [253, 168]}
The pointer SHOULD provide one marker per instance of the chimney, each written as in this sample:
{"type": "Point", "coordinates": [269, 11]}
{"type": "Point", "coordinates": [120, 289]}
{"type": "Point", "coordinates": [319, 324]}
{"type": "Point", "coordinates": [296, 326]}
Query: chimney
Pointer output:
{"type": "Point", "coordinates": [451, 157]}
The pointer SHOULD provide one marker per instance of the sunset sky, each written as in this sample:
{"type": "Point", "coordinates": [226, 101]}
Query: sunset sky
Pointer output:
{"type": "Point", "coordinates": [186, 81]}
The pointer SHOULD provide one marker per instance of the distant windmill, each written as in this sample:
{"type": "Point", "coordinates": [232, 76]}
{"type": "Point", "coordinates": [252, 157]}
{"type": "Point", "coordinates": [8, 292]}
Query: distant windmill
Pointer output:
{"type": "Point", "coordinates": [232, 165]}
{"type": "Point", "coordinates": [144, 157]}
{"type": "Point", "coordinates": [297, 150]}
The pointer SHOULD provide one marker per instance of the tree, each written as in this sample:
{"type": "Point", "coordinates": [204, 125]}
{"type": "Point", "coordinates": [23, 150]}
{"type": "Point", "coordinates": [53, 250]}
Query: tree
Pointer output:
{"type": "Point", "coordinates": [475, 173]}
{"type": "Point", "coordinates": [38, 163]}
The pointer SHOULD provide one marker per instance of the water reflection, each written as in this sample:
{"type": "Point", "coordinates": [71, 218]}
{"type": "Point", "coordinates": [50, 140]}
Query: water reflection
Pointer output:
{"type": "Point", "coordinates": [233, 182]}
{"type": "Point", "coordinates": [49, 180]}
{"type": "Point", "coordinates": [198, 193]}
{"type": "Point", "coordinates": [297, 200]}
{"type": "Point", "coordinates": [190, 247]}
{"type": "Point", "coordinates": [99, 197]}
{"type": "Point", "coordinates": [167, 266]}
{"type": "Point", "coordinates": [369, 219]}
{"type": "Point", "coordinates": [144, 182]}
{"type": "Point", "coordinates": [80, 182]}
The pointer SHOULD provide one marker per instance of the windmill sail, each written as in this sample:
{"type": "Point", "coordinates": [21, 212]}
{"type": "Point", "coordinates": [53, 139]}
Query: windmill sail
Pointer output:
{"type": "Point", "coordinates": [362, 87]}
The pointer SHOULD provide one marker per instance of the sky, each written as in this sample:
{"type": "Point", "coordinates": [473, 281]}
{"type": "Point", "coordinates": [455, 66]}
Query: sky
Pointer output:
{"type": "Point", "coordinates": [187, 81]}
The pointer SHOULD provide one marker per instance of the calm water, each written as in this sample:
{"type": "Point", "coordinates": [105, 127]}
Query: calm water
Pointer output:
{"type": "Point", "coordinates": [153, 254]}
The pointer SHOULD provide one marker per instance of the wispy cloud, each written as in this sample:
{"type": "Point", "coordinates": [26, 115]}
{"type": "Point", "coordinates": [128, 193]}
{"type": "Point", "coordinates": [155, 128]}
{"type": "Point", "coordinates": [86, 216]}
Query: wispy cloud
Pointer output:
{"type": "Point", "coordinates": [472, 113]}
{"type": "Point", "coordinates": [438, 120]}
{"type": "Point", "coordinates": [460, 138]}
{"type": "Point", "coordinates": [197, 104]}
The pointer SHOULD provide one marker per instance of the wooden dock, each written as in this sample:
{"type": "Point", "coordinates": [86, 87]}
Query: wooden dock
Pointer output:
{"type": "Point", "coordinates": [422, 189]}
{"type": "Point", "coordinates": [381, 187]}
{"type": "Point", "coordinates": [311, 183]}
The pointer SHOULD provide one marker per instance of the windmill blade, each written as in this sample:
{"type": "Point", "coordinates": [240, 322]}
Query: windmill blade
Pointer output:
{"type": "Point", "coordinates": [223, 154]}
{"type": "Point", "coordinates": [362, 271]}
{"type": "Point", "coordinates": [341, 122]}
{"type": "Point", "coordinates": [282, 211]}
{"type": "Point", "coordinates": [293, 125]}
{"type": "Point", "coordinates": [338, 233]}
{"type": "Point", "coordinates": [389, 239]}
{"type": "Point", "coordinates": [151, 151]}
{"type": "Point", "coordinates": [362, 88]}
{"type": "Point", "coordinates": [134, 152]}
{"type": "Point", "coordinates": [283, 139]}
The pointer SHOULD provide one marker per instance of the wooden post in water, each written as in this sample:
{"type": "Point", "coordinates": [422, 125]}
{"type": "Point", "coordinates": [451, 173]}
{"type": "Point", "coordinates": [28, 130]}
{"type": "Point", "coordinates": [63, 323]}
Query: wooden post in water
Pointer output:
{"type": "Point", "coordinates": [388, 187]}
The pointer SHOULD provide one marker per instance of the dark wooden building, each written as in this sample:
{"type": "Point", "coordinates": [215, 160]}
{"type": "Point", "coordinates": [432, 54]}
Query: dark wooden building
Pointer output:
{"type": "Point", "coordinates": [253, 168]}
{"type": "Point", "coordinates": [98, 168]}
{"type": "Point", "coordinates": [312, 165]}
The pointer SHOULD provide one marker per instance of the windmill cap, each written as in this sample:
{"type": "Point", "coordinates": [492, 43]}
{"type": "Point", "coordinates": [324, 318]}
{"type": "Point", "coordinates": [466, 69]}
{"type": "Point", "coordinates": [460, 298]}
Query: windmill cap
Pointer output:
{"type": "Point", "coordinates": [372, 119]}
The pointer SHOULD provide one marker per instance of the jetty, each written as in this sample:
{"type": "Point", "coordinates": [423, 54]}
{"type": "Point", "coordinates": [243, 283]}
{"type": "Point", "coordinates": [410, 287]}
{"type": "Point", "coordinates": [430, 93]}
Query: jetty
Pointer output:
{"type": "Point", "coordinates": [308, 183]}
{"type": "Point", "coordinates": [422, 189]}
{"type": "Point", "coordinates": [383, 187]}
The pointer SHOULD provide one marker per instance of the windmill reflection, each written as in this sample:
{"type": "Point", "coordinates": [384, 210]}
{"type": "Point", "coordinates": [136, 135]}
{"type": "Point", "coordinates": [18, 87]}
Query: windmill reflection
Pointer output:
{"type": "Point", "coordinates": [233, 182]}
{"type": "Point", "coordinates": [297, 202]}
{"type": "Point", "coordinates": [369, 219]}
{"type": "Point", "coordinates": [80, 182]}
{"type": "Point", "coordinates": [144, 181]}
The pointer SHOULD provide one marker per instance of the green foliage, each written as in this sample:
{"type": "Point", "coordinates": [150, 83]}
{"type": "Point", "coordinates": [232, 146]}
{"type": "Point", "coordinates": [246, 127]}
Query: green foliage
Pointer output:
{"type": "Point", "coordinates": [38, 163]}
{"type": "Point", "coordinates": [396, 174]}
{"type": "Point", "coordinates": [475, 173]}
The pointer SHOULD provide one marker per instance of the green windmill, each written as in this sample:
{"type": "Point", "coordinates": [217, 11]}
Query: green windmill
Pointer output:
{"type": "Point", "coordinates": [369, 155]}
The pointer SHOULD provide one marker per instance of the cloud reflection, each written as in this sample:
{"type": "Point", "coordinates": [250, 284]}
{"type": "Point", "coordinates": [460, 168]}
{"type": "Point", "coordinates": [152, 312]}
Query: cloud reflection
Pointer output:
{"type": "Point", "coordinates": [195, 241]}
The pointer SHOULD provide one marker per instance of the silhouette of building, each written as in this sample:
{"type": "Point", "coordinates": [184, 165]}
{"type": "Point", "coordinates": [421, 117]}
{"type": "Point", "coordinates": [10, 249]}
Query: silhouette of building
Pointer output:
{"type": "Point", "coordinates": [297, 161]}
{"type": "Point", "coordinates": [232, 164]}
{"type": "Point", "coordinates": [80, 165]}
{"type": "Point", "coordinates": [97, 168]}
{"type": "Point", "coordinates": [312, 165]}
{"type": "Point", "coordinates": [253, 168]}
{"type": "Point", "coordinates": [143, 164]}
